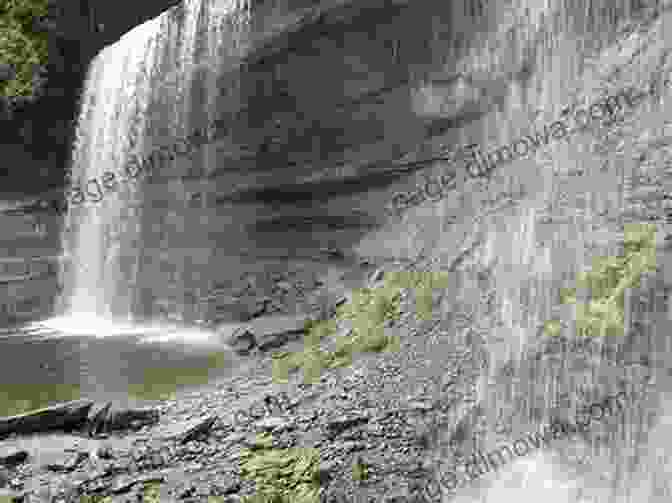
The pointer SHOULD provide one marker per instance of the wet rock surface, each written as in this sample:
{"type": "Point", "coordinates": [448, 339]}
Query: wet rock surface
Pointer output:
{"type": "Point", "coordinates": [193, 449]}
{"type": "Point", "coordinates": [399, 412]}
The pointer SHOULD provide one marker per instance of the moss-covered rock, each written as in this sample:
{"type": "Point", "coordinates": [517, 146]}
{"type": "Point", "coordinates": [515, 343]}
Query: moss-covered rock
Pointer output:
{"type": "Point", "coordinates": [281, 475]}
{"type": "Point", "coordinates": [607, 282]}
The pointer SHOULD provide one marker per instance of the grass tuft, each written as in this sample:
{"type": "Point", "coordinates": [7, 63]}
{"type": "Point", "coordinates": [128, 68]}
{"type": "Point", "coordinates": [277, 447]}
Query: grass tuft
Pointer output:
{"type": "Point", "coordinates": [281, 475]}
{"type": "Point", "coordinates": [607, 282]}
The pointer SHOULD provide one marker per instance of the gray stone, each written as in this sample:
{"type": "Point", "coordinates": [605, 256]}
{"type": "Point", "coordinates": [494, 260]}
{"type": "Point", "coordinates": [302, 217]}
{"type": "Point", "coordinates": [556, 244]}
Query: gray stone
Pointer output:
{"type": "Point", "coordinates": [6, 72]}
{"type": "Point", "coordinates": [377, 276]}
{"type": "Point", "coordinates": [132, 419]}
{"type": "Point", "coordinates": [274, 424]}
{"type": "Point", "coordinates": [125, 484]}
{"type": "Point", "coordinates": [340, 424]}
{"type": "Point", "coordinates": [332, 252]}
{"type": "Point", "coordinates": [280, 324]}
{"type": "Point", "coordinates": [284, 286]}
{"type": "Point", "coordinates": [98, 420]}
{"type": "Point", "coordinates": [272, 341]}
{"type": "Point", "coordinates": [64, 416]}
{"type": "Point", "coordinates": [68, 463]}
{"type": "Point", "coordinates": [274, 331]}
{"type": "Point", "coordinates": [200, 428]}
{"type": "Point", "coordinates": [105, 452]}
{"type": "Point", "coordinates": [240, 338]}
{"type": "Point", "coordinates": [12, 456]}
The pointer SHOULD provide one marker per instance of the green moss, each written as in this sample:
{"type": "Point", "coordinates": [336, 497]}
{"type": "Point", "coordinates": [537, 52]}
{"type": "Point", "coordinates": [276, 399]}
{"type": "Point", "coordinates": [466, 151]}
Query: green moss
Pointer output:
{"type": "Point", "coordinates": [368, 311]}
{"type": "Point", "coordinates": [607, 282]}
{"type": "Point", "coordinates": [20, 46]}
{"type": "Point", "coordinates": [19, 398]}
{"type": "Point", "coordinates": [281, 475]}
{"type": "Point", "coordinates": [424, 284]}
{"type": "Point", "coordinates": [312, 359]}
{"type": "Point", "coordinates": [151, 493]}
{"type": "Point", "coordinates": [360, 470]}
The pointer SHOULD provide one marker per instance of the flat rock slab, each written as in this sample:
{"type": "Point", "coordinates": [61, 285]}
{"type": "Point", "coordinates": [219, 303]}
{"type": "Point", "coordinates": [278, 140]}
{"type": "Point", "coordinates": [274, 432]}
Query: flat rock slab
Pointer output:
{"type": "Point", "coordinates": [276, 325]}
{"type": "Point", "coordinates": [265, 332]}
{"type": "Point", "coordinates": [186, 431]}
{"type": "Point", "coordinates": [64, 416]}
{"type": "Point", "coordinates": [56, 448]}
{"type": "Point", "coordinates": [12, 456]}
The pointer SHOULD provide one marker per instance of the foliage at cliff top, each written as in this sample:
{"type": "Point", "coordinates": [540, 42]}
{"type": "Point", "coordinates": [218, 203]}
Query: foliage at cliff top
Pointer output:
{"type": "Point", "coordinates": [369, 311]}
{"type": "Point", "coordinates": [281, 475]}
{"type": "Point", "coordinates": [607, 283]}
{"type": "Point", "coordinates": [20, 45]}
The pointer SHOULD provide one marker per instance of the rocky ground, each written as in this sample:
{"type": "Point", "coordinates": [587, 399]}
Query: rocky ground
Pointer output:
{"type": "Point", "coordinates": [399, 412]}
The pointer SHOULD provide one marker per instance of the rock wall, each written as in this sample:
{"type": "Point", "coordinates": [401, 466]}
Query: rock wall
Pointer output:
{"type": "Point", "coordinates": [315, 117]}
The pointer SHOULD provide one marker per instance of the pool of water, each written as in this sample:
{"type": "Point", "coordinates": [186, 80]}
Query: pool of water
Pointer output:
{"type": "Point", "coordinates": [41, 365]}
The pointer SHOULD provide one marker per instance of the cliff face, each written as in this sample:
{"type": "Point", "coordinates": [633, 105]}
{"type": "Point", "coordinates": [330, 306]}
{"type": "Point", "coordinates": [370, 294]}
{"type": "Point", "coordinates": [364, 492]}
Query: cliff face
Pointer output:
{"type": "Point", "coordinates": [325, 112]}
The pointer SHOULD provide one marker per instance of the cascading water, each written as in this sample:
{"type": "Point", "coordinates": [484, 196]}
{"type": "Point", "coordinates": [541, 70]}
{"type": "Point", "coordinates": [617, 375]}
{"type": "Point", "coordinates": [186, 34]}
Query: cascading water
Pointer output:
{"type": "Point", "coordinates": [161, 80]}
{"type": "Point", "coordinates": [153, 69]}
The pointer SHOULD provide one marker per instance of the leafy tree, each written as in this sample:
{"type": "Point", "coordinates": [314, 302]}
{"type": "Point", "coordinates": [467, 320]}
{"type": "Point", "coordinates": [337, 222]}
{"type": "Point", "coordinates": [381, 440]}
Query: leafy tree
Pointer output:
{"type": "Point", "coordinates": [21, 45]}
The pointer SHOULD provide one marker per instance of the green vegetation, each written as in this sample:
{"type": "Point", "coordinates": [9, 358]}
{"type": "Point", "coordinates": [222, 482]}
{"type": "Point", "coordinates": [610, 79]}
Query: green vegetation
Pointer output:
{"type": "Point", "coordinates": [19, 398]}
{"type": "Point", "coordinates": [162, 383]}
{"type": "Point", "coordinates": [281, 475]}
{"type": "Point", "coordinates": [20, 45]}
{"type": "Point", "coordinates": [151, 492]}
{"type": "Point", "coordinates": [369, 311]}
{"type": "Point", "coordinates": [424, 284]}
{"type": "Point", "coordinates": [607, 282]}
{"type": "Point", "coordinates": [360, 470]}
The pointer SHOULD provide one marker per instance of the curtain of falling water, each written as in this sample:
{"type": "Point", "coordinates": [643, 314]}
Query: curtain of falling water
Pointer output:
{"type": "Point", "coordinates": [138, 96]}
{"type": "Point", "coordinates": [521, 253]}
{"type": "Point", "coordinates": [215, 37]}
{"type": "Point", "coordinates": [115, 97]}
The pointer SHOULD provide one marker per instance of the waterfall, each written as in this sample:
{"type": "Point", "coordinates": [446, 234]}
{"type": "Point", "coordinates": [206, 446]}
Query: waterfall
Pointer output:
{"type": "Point", "coordinates": [165, 79]}
{"type": "Point", "coordinates": [150, 75]}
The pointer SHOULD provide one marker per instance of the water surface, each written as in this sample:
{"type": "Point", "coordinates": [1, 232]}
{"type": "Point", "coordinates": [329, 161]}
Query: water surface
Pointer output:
{"type": "Point", "coordinates": [40, 365]}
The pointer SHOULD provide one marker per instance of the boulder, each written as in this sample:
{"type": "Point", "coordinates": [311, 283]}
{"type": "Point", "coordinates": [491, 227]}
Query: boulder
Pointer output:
{"type": "Point", "coordinates": [377, 276]}
{"type": "Point", "coordinates": [196, 430]}
{"type": "Point", "coordinates": [126, 482]}
{"type": "Point", "coordinates": [132, 419]}
{"type": "Point", "coordinates": [285, 286]}
{"type": "Point", "coordinates": [240, 338]}
{"type": "Point", "coordinates": [96, 424]}
{"type": "Point", "coordinates": [274, 424]}
{"type": "Point", "coordinates": [274, 331]}
{"type": "Point", "coordinates": [12, 456]}
{"type": "Point", "coordinates": [66, 416]}
{"type": "Point", "coordinates": [272, 341]}
{"type": "Point", "coordinates": [332, 252]}
{"type": "Point", "coordinates": [68, 462]}
{"type": "Point", "coordinates": [264, 333]}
